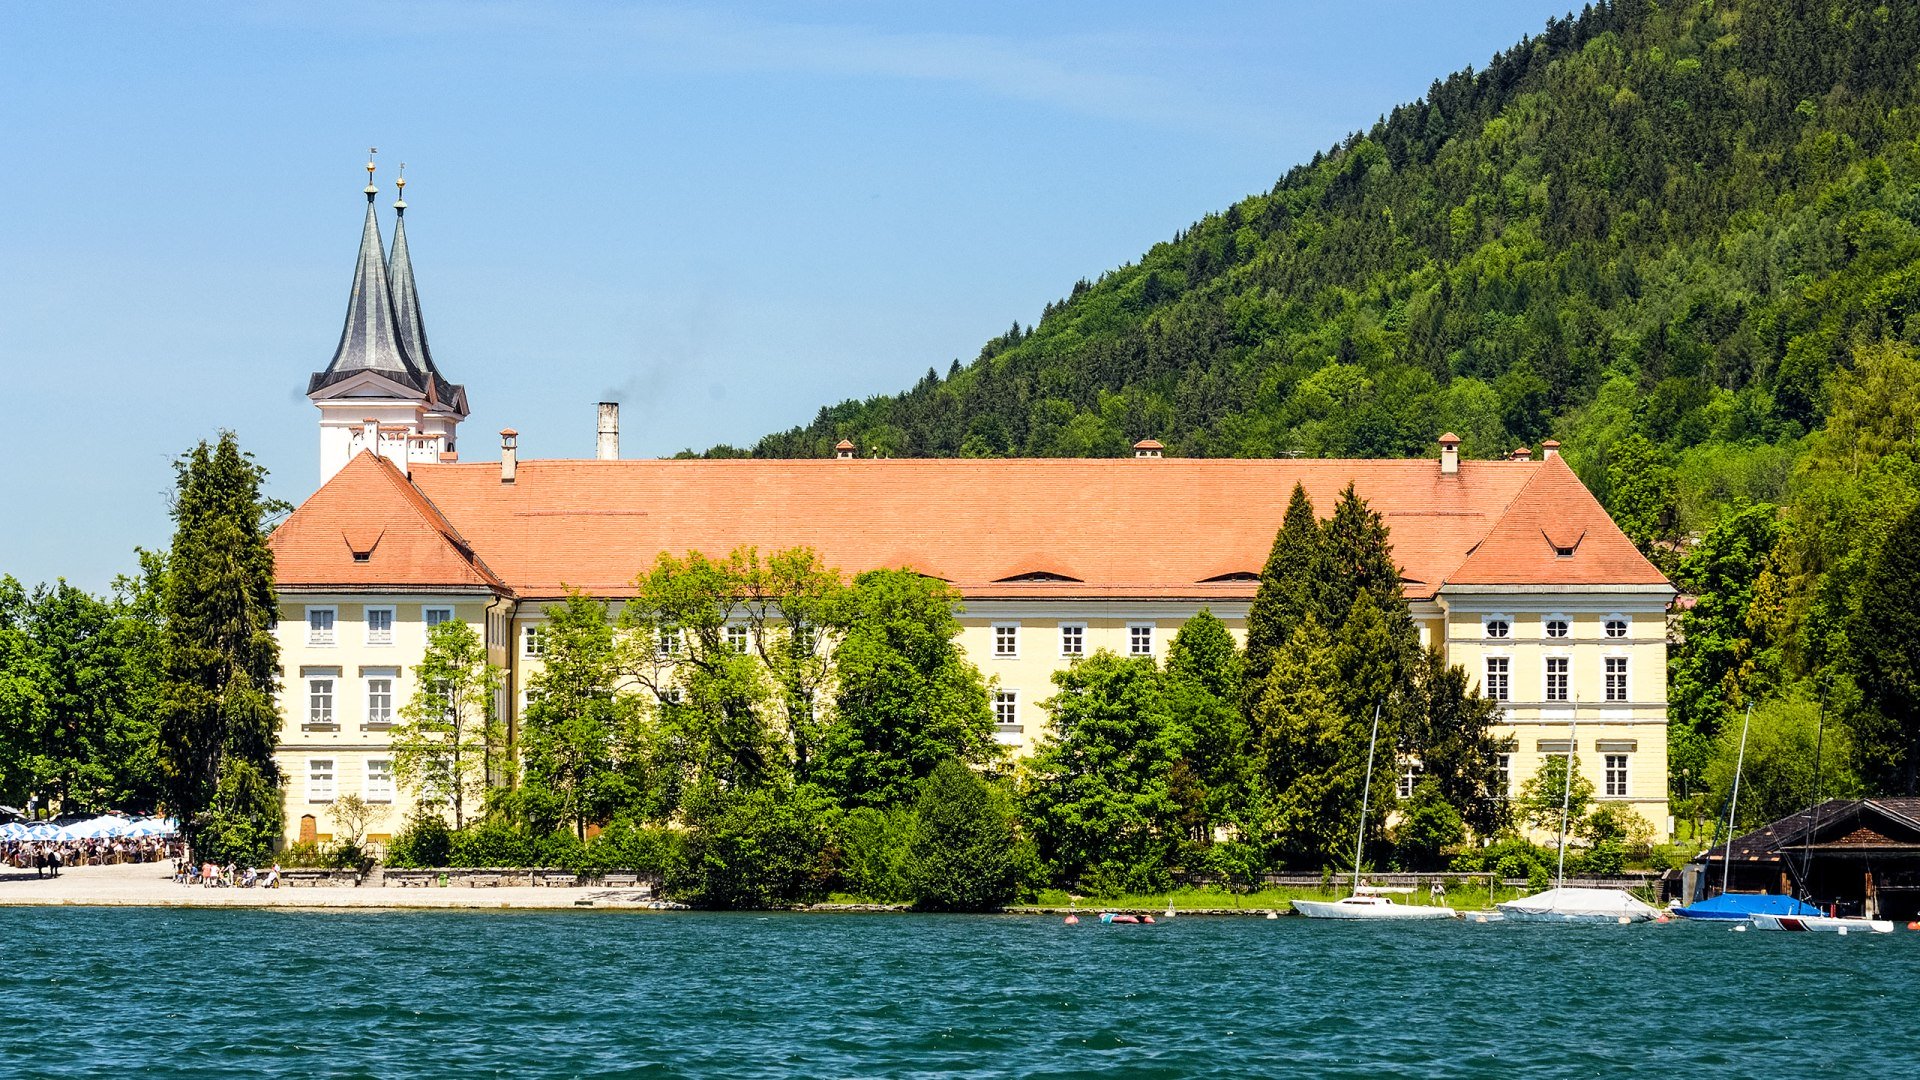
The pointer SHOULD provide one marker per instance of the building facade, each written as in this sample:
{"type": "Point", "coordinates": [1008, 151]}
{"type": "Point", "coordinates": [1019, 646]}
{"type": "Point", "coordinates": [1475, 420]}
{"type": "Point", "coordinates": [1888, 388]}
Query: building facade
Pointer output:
{"type": "Point", "coordinates": [1511, 567]}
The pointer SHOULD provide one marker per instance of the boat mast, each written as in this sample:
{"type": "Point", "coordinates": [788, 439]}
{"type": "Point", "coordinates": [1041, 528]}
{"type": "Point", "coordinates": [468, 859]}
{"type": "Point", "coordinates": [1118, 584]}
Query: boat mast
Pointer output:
{"type": "Point", "coordinates": [1366, 790]}
{"type": "Point", "coordinates": [1733, 804]}
{"type": "Point", "coordinates": [1813, 808]}
{"type": "Point", "coordinates": [1566, 797]}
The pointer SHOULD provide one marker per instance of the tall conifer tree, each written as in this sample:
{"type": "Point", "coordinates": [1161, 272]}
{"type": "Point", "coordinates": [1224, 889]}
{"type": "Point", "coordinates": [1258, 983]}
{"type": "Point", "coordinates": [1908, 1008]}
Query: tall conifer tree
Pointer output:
{"type": "Point", "coordinates": [218, 723]}
{"type": "Point", "coordinates": [1289, 590]}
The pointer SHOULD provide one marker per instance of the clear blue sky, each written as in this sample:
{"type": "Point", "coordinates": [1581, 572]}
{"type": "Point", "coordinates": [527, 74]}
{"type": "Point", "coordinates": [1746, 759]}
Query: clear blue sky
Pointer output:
{"type": "Point", "coordinates": [723, 218]}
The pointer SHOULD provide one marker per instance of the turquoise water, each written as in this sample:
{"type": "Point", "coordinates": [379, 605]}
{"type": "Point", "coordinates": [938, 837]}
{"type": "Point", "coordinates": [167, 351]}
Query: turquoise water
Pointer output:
{"type": "Point", "coordinates": [177, 993]}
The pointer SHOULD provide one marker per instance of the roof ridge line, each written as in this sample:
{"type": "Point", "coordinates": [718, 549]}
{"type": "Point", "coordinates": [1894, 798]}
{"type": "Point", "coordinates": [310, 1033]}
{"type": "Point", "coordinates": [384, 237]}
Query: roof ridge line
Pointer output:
{"type": "Point", "coordinates": [439, 521]}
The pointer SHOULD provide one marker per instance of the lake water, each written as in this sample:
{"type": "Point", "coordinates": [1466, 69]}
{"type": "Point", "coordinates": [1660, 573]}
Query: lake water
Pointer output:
{"type": "Point", "coordinates": [177, 993]}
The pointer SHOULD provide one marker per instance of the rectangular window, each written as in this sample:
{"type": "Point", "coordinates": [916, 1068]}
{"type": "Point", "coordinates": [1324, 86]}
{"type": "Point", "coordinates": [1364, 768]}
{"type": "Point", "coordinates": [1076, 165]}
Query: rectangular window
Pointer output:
{"type": "Point", "coordinates": [1616, 776]}
{"type": "Point", "coordinates": [1503, 766]}
{"type": "Point", "coordinates": [665, 644]}
{"type": "Point", "coordinates": [319, 779]}
{"type": "Point", "coordinates": [1006, 639]}
{"type": "Point", "coordinates": [1497, 679]}
{"type": "Point", "coordinates": [1616, 678]}
{"type": "Point", "coordinates": [379, 700]}
{"type": "Point", "coordinates": [737, 638]}
{"type": "Point", "coordinates": [1409, 776]}
{"type": "Point", "coordinates": [379, 780]}
{"type": "Point", "coordinates": [434, 616]}
{"type": "Point", "coordinates": [532, 643]}
{"type": "Point", "coordinates": [379, 626]}
{"type": "Point", "coordinates": [1140, 639]}
{"type": "Point", "coordinates": [1558, 668]}
{"type": "Point", "coordinates": [1006, 708]}
{"type": "Point", "coordinates": [319, 701]}
{"type": "Point", "coordinates": [1073, 639]}
{"type": "Point", "coordinates": [320, 625]}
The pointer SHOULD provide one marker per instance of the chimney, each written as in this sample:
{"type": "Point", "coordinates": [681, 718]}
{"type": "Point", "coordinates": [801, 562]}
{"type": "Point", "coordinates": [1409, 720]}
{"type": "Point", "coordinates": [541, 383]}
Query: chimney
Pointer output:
{"type": "Point", "coordinates": [1449, 454]}
{"type": "Point", "coordinates": [1148, 448]}
{"type": "Point", "coordinates": [370, 434]}
{"type": "Point", "coordinates": [1549, 449]}
{"type": "Point", "coordinates": [1522, 453]}
{"type": "Point", "coordinates": [608, 446]}
{"type": "Point", "coordinates": [393, 446]}
{"type": "Point", "coordinates": [509, 454]}
{"type": "Point", "coordinates": [843, 449]}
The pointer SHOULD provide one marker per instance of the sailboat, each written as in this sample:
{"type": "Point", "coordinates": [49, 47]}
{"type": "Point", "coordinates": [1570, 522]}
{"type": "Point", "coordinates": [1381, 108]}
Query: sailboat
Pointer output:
{"type": "Point", "coordinates": [1563, 904]}
{"type": "Point", "coordinates": [1364, 905]}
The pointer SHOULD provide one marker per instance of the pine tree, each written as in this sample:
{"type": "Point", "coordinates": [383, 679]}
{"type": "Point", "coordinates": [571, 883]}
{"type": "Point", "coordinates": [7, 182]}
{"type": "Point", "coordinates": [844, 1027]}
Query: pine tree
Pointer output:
{"type": "Point", "coordinates": [1885, 639]}
{"type": "Point", "coordinates": [218, 723]}
{"type": "Point", "coordinates": [1289, 590]}
{"type": "Point", "coordinates": [1202, 689]}
{"type": "Point", "coordinates": [1310, 757]}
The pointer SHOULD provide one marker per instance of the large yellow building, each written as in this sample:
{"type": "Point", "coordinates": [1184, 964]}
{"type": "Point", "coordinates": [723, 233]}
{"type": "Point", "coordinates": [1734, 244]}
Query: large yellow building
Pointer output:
{"type": "Point", "coordinates": [1511, 567]}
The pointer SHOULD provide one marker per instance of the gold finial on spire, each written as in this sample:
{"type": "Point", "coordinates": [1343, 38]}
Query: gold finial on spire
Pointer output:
{"type": "Point", "coordinates": [400, 183]}
{"type": "Point", "coordinates": [371, 190]}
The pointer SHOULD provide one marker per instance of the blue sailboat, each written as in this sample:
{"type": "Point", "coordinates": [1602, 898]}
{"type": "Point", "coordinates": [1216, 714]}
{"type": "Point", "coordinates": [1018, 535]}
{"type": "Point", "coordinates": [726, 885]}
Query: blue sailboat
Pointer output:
{"type": "Point", "coordinates": [1739, 906]}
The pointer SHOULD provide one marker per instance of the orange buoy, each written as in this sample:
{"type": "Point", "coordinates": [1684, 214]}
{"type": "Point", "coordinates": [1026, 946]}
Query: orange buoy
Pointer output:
{"type": "Point", "coordinates": [1915, 925]}
{"type": "Point", "coordinates": [1146, 918]}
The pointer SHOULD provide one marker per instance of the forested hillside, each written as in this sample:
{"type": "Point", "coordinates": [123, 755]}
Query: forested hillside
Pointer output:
{"type": "Point", "coordinates": [1681, 239]}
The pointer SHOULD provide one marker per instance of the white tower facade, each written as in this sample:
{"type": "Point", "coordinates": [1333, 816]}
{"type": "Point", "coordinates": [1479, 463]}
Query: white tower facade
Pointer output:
{"type": "Point", "coordinates": [382, 391]}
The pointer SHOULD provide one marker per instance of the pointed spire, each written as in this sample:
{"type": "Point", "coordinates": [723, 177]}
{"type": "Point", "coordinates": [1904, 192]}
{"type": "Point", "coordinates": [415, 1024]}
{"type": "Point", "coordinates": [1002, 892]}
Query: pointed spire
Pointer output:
{"type": "Point", "coordinates": [408, 326]}
{"type": "Point", "coordinates": [369, 341]}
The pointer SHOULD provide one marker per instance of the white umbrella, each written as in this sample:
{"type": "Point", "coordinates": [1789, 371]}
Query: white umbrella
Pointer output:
{"type": "Point", "coordinates": [43, 831]}
{"type": "Point", "coordinates": [98, 828]}
{"type": "Point", "coordinates": [13, 830]}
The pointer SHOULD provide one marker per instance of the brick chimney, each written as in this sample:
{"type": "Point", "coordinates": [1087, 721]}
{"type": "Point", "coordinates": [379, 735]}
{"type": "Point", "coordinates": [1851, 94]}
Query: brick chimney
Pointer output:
{"type": "Point", "coordinates": [1449, 454]}
{"type": "Point", "coordinates": [1549, 449]}
{"type": "Point", "coordinates": [607, 447]}
{"type": "Point", "coordinates": [509, 454]}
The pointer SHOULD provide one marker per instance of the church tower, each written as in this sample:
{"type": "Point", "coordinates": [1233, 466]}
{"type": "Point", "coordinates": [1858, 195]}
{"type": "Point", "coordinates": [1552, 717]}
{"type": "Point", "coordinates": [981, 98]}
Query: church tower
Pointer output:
{"type": "Point", "coordinates": [382, 391]}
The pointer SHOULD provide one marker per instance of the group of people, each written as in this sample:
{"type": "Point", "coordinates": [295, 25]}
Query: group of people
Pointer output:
{"type": "Point", "coordinates": [48, 856]}
{"type": "Point", "coordinates": [210, 875]}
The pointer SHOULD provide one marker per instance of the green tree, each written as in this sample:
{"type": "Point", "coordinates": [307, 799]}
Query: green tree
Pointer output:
{"type": "Point", "coordinates": [1543, 795]}
{"type": "Point", "coordinates": [1450, 731]}
{"type": "Point", "coordinates": [1777, 778]}
{"type": "Point", "coordinates": [965, 855]}
{"type": "Point", "coordinates": [1201, 691]}
{"type": "Point", "coordinates": [1311, 758]}
{"type": "Point", "coordinates": [1644, 496]}
{"type": "Point", "coordinates": [451, 745]}
{"type": "Point", "coordinates": [1095, 791]}
{"type": "Point", "coordinates": [580, 744]}
{"type": "Point", "coordinates": [23, 704]}
{"type": "Point", "coordinates": [753, 848]}
{"type": "Point", "coordinates": [1290, 590]}
{"type": "Point", "coordinates": [1716, 660]}
{"type": "Point", "coordinates": [1884, 635]}
{"type": "Point", "coordinates": [218, 724]}
{"type": "Point", "coordinates": [907, 699]}
{"type": "Point", "coordinates": [1429, 827]}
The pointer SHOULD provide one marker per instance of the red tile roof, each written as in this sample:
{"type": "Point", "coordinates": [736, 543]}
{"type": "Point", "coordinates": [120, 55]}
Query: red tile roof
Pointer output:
{"type": "Point", "coordinates": [1155, 527]}
{"type": "Point", "coordinates": [369, 508]}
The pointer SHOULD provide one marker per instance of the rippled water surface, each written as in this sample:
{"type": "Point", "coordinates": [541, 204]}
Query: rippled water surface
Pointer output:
{"type": "Point", "coordinates": [163, 992]}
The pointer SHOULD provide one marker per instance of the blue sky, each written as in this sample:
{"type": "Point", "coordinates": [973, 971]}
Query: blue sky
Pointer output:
{"type": "Point", "coordinates": [723, 217]}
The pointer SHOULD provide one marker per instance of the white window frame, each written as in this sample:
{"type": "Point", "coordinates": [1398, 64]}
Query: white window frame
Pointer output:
{"type": "Point", "coordinates": [1625, 674]}
{"type": "Point", "coordinates": [1566, 628]}
{"type": "Point", "coordinates": [1506, 678]}
{"type": "Point", "coordinates": [1504, 622]}
{"type": "Point", "coordinates": [1565, 676]}
{"type": "Point", "coordinates": [739, 638]}
{"type": "Point", "coordinates": [533, 643]}
{"type": "Point", "coordinates": [1503, 768]}
{"type": "Point", "coordinates": [1626, 627]}
{"type": "Point", "coordinates": [1079, 632]}
{"type": "Point", "coordinates": [366, 620]}
{"type": "Point", "coordinates": [1408, 779]}
{"type": "Point", "coordinates": [1006, 703]}
{"type": "Point", "coordinates": [1007, 634]}
{"type": "Point", "coordinates": [379, 781]}
{"type": "Point", "coordinates": [322, 792]}
{"type": "Point", "coordinates": [328, 637]}
{"type": "Point", "coordinates": [1134, 632]}
{"type": "Point", "coordinates": [666, 644]}
{"type": "Point", "coordinates": [390, 676]}
{"type": "Point", "coordinates": [1607, 775]}
{"type": "Point", "coordinates": [331, 716]}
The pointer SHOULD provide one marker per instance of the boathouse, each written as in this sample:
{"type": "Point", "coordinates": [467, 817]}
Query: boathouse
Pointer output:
{"type": "Point", "coordinates": [1852, 856]}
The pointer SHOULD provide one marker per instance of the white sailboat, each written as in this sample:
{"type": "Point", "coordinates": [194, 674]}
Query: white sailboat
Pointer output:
{"type": "Point", "coordinates": [1364, 904]}
{"type": "Point", "coordinates": [1563, 904]}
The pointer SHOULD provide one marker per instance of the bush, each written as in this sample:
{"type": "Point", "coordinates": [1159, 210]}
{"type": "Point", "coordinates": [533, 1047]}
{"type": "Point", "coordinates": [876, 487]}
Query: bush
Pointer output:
{"type": "Point", "coordinates": [628, 845]}
{"type": "Point", "coordinates": [1429, 827]}
{"type": "Point", "coordinates": [424, 841]}
{"type": "Point", "coordinates": [963, 847]}
{"type": "Point", "coordinates": [874, 852]}
{"type": "Point", "coordinates": [1513, 857]}
{"type": "Point", "coordinates": [490, 843]}
{"type": "Point", "coordinates": [753, 849]}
